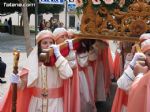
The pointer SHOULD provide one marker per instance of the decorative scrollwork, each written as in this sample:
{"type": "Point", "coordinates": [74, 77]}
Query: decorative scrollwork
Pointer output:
{"type": "Point", "coordinates": [130, 23]}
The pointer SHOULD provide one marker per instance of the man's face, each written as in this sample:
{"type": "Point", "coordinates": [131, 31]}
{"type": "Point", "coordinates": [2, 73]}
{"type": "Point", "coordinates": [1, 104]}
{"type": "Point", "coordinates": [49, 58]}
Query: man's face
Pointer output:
{"type": "Point", "coordinates": [61, 38]}
{"type": "Point", "coordinates": [147, 54]}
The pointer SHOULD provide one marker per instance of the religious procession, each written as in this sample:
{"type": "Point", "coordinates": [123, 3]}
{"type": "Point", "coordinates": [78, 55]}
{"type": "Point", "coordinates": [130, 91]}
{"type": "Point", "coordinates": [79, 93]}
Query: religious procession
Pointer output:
{"type": "Point", "coordinates": [74, 71]}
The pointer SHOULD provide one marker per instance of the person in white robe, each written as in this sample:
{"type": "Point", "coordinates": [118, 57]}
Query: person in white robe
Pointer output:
{"type": "Point", "coordinates": [46, 81]}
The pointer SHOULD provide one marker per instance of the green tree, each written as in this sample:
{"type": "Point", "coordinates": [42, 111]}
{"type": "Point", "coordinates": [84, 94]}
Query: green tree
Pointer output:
{"type": "Point", "coordinates": [46, 8]}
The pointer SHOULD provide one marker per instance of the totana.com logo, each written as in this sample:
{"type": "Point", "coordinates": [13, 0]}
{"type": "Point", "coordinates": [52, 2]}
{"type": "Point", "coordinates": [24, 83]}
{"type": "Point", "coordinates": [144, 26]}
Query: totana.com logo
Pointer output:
{"type": "Point", "coordinates": [19, 4]}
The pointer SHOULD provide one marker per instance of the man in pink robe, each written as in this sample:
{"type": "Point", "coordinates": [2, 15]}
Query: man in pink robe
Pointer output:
{"type": "Point", "coordinates": [121, 97]}
{"type": "Point", "coordinates": [139, 94]}
{"type": "Point", "coordinates": [72, 98]}
{"type": "Point", "coordinates": [102, 74]}
{"type": "Point", "coordinates": [86, 75]}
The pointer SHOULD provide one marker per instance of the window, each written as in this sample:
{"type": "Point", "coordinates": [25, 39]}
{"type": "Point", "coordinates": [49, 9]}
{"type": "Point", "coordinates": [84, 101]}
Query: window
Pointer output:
{"type": "Point", "coordinates": [71, 21]}
{"type": "Point", "coordinates": [56, 16]}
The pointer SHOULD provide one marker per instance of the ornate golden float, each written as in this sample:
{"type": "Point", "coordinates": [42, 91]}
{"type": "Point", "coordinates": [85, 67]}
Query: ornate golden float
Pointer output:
{"type": "Point", "coordinates": [111, 21]}
{"type": "Point", "coordinates": [115, 24]}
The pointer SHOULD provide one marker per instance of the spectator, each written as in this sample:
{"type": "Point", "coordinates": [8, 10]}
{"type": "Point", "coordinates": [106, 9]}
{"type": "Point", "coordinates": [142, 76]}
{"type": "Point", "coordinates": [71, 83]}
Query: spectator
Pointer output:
{"type": "Point", "coordinates": [6, 25]}
{"type": "Point", "coordinates": [78, 27]}
{"type": "Point", "coordinates": [54, 24]}
{"type": "Point", "coordinates": [10, 25]}
{"type": "Point", "coordinates": [2, 70]}
{"type": "Point", "coordinates": [42, 25]}
{"type": "Point", "coordinates": [61, 24]}
{"type": "Point", "coordinates": [47, 25]}
{"type": "Point", "coordinates": [0, 22]}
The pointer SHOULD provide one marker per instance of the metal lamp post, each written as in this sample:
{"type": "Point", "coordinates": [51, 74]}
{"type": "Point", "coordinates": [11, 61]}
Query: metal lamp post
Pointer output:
{"type": "Point", "coordinates": [36, 18]}
{"type": "Point", "coordinates": [66, 11]}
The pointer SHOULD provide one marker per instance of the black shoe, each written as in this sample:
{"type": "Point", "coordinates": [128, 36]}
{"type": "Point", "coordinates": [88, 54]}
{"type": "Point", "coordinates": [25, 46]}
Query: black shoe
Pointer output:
{"type": "Point", "coordinates": [1, 81]}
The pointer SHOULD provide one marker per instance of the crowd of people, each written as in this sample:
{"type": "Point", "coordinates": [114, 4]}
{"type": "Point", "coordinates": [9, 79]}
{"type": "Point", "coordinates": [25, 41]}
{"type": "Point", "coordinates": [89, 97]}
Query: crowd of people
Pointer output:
{"type": "Point", "coordinates": [51, 25]}
{"type": "Point", "coordinates": [8, 25]}
{"type": "Point", "coordinates": [78, 77]}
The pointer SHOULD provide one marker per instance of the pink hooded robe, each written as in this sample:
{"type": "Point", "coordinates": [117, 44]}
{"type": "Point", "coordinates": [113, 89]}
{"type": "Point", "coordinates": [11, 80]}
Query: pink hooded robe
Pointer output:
{"type": "Point", "coordinates": [117, 65]}
{"type": "Point", "coordinates": [86, 82]}
{"type": "Point", "coordinates": [121, 96]}
{"type": "Point", "coordinates": [135, 100]}
{"type": "Point", "coordinates": [23, 99]}
{"type": "Point", "coordinates": [104, 70]}
{"type": "Point", "coordinates": [71, 85]}
{"type": "Point", "coordinates": [120, 99]}
{"type": "Point", "coordinates": [24, 96]}
{"type": "Point", "coordinates": [139, 95]}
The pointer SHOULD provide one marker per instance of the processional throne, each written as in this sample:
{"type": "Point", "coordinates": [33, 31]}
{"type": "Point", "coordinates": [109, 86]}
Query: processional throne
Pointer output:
{"type": "Point", "coordinates": [114, 22]}
{"type": "Point", "coordinates": [103, 22]}
{"type": "Point", "coordinates": [110, 21]}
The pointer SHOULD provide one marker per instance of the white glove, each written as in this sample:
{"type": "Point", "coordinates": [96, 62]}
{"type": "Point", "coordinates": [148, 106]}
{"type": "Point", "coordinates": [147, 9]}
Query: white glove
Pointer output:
{"type": "Point", "coordinates": [137, 57]}
{"type": "Point", "coordinates": [69, 41]}
{"type": "Point", "coordinates": [72, 59]}
{"type": "Point", "coordinates": [83, 59]}
{"type": "Point", "coordinates": [119, 51]}
{"type": "Point", "coordinates": [14, 78]}
{"type": "Point", "coordinates": [56, 50]}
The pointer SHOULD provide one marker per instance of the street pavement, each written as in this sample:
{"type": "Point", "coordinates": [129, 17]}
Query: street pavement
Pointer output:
{"type": "Point", "coordinates": [8, 43]}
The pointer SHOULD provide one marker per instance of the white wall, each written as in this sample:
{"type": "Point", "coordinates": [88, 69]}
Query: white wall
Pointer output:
{"type": "Point", "coordinates": [16, 18]}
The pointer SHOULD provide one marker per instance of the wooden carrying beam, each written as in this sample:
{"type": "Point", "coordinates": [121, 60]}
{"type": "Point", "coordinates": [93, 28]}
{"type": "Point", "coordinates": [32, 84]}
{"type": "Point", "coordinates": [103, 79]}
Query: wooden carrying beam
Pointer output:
{"type": "Point", "coordinates": [44, 56]}
{"type": "Point", "coordinates": [100, 37]}
{"type": "Point", "coordinates": [49, 52]}
{"type": "Point", "coordinates": [46, 53]}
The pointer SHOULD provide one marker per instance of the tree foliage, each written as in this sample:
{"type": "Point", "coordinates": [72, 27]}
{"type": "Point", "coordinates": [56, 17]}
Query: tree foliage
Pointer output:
{"type": "Point", "coordinates": [50, 8]}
